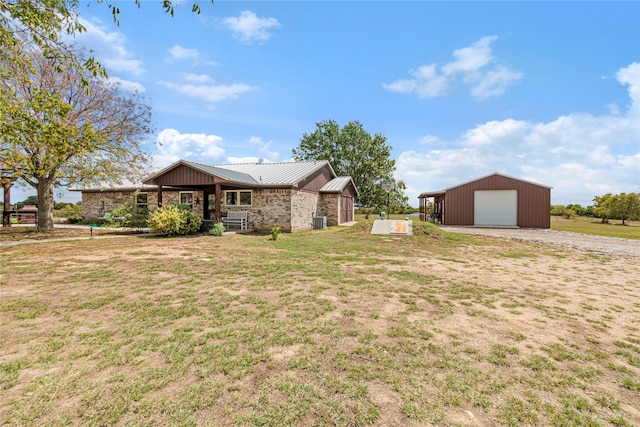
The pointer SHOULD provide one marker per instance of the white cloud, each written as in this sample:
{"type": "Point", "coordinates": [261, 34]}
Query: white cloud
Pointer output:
{"type": "Point", "coordinates": [179, 53]}
{"type": "Point", "coordinates": [470, 59]}
{"type": "Point", "coordinates": [198, 78]}
{"type": "Point", "coordinates": [249, 28]}
{"type": "Point", "coordinates": [127, 85]}
{"type": "Point", "coordinates": [202, 86]}
{"type": "Point", "coordinates": [110, 48]}
{"type": "Point", "coordinates": [493, 82]}
{"type": "Point", "coordinates": [474, 66]}
{"type": "Point", "coordinates": [173, 146]}
{"type": "Point", "coordinates": [506, 133]}
{"type": "Point", "coordinates": [263, 148]}
{"type": "Point", "coordinates": [580, 155]}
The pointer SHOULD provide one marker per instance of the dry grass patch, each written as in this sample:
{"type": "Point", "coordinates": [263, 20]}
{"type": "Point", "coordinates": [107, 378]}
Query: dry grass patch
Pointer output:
{"type": "Point", "coordinates": [333, 327]}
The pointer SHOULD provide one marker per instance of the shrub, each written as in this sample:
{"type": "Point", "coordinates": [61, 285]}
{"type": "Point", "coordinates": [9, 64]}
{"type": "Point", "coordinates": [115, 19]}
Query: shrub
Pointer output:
{"type": "Point", "coordinates": [217, 229]}
{"type": "Point", "coordinates": [173, 221]}
{"type": "Point", "coordinates": [275, 232]}
{"type": "Point", "coordinates": [129, 216]}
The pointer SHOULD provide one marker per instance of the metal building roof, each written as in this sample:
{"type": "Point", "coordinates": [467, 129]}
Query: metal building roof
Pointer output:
{"type": "Point", "coordinates": [262, 173]}
{"type": "Point", "coordinates": [336, 185]}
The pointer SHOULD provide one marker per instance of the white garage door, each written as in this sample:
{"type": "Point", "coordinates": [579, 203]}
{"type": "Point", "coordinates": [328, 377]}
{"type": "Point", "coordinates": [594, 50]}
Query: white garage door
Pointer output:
{"type": "Point", "coordinates": [496, 208]}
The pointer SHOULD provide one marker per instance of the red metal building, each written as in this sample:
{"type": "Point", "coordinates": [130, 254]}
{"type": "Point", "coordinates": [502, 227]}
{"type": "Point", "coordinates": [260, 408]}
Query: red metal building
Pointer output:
{"type": "Point", "coordinates": [492, 201]}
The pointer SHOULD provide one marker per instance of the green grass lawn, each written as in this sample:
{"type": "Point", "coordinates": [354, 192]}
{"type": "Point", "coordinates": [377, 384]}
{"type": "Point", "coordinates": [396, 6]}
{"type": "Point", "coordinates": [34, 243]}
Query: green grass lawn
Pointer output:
{"type": "Point", "coordinates": [331, 327]}
{"type": "Point", "coordinates": [594, 226]}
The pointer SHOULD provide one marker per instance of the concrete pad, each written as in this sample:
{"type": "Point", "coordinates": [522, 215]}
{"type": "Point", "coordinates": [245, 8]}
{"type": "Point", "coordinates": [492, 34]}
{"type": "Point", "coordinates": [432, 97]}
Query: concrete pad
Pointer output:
{"type": "Point", "coordinates": [388, 226]}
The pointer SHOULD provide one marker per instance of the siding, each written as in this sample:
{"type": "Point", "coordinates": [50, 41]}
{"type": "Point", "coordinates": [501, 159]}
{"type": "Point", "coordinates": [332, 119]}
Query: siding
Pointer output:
{"type": "Point", "coordinates": [534, 201]}
{"type": "Point", "coordinates": [316, 181]}
{"type": "Point", "coordinates": [184, 176]}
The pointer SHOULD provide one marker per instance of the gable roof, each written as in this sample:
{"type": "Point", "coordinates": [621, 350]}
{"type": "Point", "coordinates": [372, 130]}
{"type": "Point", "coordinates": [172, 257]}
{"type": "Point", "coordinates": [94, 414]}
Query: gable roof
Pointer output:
{"type": "Point", "coordinates": [337, 185]}
{"type": "Point", "coordinates": [442, 192]}
{"type": "Point", "coordinates": [255, 174]}
{"type": "Point", "coordinates": [497, 174]}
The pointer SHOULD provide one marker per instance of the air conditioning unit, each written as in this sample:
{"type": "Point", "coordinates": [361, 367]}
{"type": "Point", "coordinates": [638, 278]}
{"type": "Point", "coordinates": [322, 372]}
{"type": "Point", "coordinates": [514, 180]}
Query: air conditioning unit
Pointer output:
{"type": "Point", "coordinates": [319, 222]}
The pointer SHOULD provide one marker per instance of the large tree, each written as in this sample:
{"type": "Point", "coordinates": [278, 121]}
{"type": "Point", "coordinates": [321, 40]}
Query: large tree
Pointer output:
{"type": "Point", "coordinates": [63, 126]}
{"type": "Point", "coordinates": [353, 152]}
{"type": "Point", "coordinates": [45, 22]}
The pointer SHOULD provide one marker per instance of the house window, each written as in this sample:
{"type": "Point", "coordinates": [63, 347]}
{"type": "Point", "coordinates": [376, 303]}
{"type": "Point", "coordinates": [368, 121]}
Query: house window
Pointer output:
{"type": "Point", "coordinates": [186, 198]}
{"type": "Point", "coordinates": [141, 200]}
{"type": "Point", "coordinates": [238, 198]}
{"type": "Point", "coordinates": [245, 198]}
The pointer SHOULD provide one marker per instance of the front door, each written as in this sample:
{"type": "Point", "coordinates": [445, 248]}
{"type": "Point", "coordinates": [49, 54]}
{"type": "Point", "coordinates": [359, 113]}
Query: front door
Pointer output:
{"type": "Point", "coordinates": [209, 205]}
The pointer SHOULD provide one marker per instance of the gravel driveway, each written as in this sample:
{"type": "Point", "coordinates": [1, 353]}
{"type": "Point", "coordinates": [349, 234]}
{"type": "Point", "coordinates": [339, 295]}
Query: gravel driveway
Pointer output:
{"type": "Point", "coordinates": [609, 246]}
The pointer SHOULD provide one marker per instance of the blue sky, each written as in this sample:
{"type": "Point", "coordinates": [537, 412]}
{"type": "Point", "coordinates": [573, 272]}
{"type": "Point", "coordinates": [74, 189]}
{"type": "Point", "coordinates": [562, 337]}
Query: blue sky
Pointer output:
{"type": "Point", "coordinates": [544, 91]}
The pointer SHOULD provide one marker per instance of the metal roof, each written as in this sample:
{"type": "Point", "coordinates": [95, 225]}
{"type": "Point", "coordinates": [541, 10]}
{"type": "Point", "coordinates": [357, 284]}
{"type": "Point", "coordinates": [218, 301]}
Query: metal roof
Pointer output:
{"type": "Point", "coordinates": [337, 185]}
{"type": "Point", "coordinates": [254, 174]}
{"type": "Point", "coordinates": [441, 192]}
{"type": "Point", "coordinates": [284, 173]}
{"type": "Point", "coordinates": [499, 174]}
{"type": "Point", "coordinates": [428, 194]}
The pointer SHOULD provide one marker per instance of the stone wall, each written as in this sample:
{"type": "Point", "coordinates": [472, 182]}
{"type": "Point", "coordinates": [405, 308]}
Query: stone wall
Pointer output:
{"type": "Point", "coordinates": [115, 199]}
{"type": "Point", "coordinates": [291, 210]}
{"type": "Point", "coordinates": [330, 207]}
{"type": "Point", "coordinates": [269, 208]}
{"type": "Point", "coordinates": [304, 206]}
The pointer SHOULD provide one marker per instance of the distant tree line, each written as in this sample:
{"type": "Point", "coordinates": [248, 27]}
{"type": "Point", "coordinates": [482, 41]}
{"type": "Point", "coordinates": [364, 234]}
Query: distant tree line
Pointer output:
{"type": "Point", "coordinates": [623, 207]}
{"type": "Point", "coordinates": [33, 201]}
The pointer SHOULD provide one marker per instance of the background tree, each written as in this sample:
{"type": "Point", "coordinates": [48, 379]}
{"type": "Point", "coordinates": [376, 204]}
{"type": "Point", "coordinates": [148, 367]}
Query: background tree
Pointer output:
{"type": "Point", "coordinates": [623, 206]}
{"type": "Point", "coordinates": [601, 209]}
{"type": "Point", "coordinates": [55, 132]}
{"type": "Point", "coordinates": [399, 201]}
{"type": "Point", "coordinates": [353, 152]}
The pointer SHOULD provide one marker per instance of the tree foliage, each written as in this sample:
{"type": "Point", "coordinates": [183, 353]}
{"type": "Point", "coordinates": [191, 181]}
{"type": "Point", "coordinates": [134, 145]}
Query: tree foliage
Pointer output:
{"type": "Point", "coordinates": [45, 22]}
{"type": "Point", "coordinates": [54, 132]}
{"type": "Point", "coordinates": [353, 152]}
{"type": "Point", "coordinates": [601, 209]}
{"type": "Point", "coordinates": [623, 206]}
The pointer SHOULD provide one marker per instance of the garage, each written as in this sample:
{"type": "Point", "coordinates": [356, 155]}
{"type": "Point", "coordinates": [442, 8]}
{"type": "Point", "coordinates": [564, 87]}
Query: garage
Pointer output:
{"type": "Point", "coordinates": [494, 200]}
{"type": "Point", "coordinates": [495, 208]}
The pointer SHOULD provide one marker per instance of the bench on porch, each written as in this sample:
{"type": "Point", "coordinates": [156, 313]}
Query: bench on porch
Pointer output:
{"type": "Point", "coordinates": [236, 218]}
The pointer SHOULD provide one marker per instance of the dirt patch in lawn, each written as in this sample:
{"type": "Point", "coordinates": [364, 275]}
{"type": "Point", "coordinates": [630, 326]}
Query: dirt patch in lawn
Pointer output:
{"type": "Point", "coordinates": [329, 327]}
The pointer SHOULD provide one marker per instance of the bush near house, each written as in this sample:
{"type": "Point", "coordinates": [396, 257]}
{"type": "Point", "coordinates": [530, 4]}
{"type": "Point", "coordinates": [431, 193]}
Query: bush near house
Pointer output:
{"type": "Point", "coordinates": [217, 229]}
{"type": "Point", "coordinates": [129, 215]}
{"type": "Point", "coordinates": [174, 220]}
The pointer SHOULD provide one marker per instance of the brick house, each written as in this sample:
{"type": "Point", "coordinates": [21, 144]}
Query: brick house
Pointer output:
{"type": "Point", "coordinates": [287, 195]}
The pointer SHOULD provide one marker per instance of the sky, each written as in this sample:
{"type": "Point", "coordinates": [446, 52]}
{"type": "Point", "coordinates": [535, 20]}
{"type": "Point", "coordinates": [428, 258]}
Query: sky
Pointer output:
{"type": "Point", "coordinates": [543, 91]}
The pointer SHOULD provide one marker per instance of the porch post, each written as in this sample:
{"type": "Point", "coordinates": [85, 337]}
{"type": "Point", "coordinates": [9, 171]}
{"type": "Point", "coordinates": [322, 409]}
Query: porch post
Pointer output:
{"type": "Point", "coordinates": [218, 196]}
{"type": "Point", "coordinates": [6, 215]}
{"type": "Point", "coordinates": [159, 195]}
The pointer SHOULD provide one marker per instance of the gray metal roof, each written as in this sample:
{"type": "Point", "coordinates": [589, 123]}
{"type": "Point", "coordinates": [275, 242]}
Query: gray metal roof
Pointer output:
{"type": "Point", "coordinates": [336, 185]}
{"type": "Point", "coordinates": [262, 174]}
{"type": "Point", "coordinates": [285, 173]}
{"type": "Point", "coordinates": [259, 174]}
